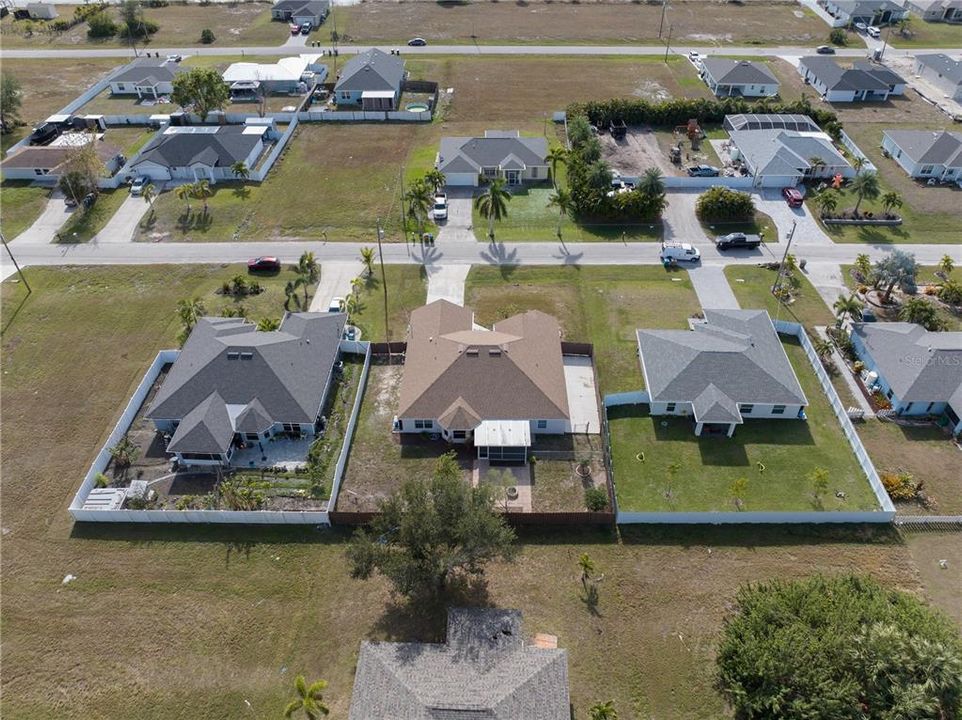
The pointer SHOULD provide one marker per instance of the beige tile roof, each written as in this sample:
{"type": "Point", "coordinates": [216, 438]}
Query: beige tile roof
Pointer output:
{"type": "Point", "coordinates": [513, 371]}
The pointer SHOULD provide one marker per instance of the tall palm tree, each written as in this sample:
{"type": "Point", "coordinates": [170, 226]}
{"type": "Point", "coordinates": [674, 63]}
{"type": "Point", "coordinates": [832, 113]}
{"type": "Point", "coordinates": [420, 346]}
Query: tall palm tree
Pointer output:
{"type": "Point", "coordinates": [149, 193]}
{"type": "Point", "coordinates": [858, 163]}
{"type": "Point", "coordinates": [561, 199]}
{"type": "Point", "coordinates": [309, 700]}
{"type": "Point", "coordinates": [587, 566]}
{"type": "Point", "coordinates": [185, 193]}
{"type": "Point", "coordinates": [419, 200]}
{"type": "Point", "coordinates": [309, 270]}
{"type": "Point", "coordinates": [435, 179]}
{"type": "Point", "coordinates": [652, 182]}
{"type": "Point", "coordinates": [367, 257]}
{"type": "Point", "coordinates": [268, 324]}
{"type": "Point", "coordinates": [865, 185]}
{"type": "Point", "coordinates": [190, 311]}
{"type": "Point", "coordinates": [493, 203]}
{"type": "Point", "coordinates": [863, 263]}
{"type": "Point", "coordinates": [240, 170]}
{"type": "Point", "coordinates": [351, 304]}
{"type": "Point", "coordinates": [891, 200]}
{"type": "Point", "coordinates": [815, 163]}
{"type": "Point", "coordinates": [827, 201]}
{"type": "Point", "coordinates": [946, 265]}
{"type": "Point", "coordinates": [556, 156]}
{"type": "Point", "coordinates": [290, 293]}
{"type": "Point", "coordinates": [603, 711]}
{"type": "Point", "coordinates": [847, 307]}
{"type": "Point", "coordinates": [202, 191]}
{"type": "Point", "coordinates": [356, 285]}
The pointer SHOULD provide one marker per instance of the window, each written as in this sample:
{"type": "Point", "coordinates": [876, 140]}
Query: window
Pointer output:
{"type": "Point", "coordinates": [929, 408]}
{"type": "Point", "coordinates": [747, 409]}
{"type": "Point", "coordinates": [778, 410]}
{"type": "Point", "coordinates": [37, 171]}
{"type": "Point", "coordinates": [423, 424]}
{"type": "Point", "coordinates": [926, 170]}
{"type": "Point", "coordinates": [459, 434]}
{"type": "Point", "coordinates": [253, 437]}
{"type": "Point", "coordinates": [121, 86]}
{"type": "Point", "coordinates": [542, 424]}
{"type": "Point", "coordinates": [889, 394]}
{"type": "Point", "coordinates": [907, 408]}
{"type": "Point", "coordinates": [670, 407]}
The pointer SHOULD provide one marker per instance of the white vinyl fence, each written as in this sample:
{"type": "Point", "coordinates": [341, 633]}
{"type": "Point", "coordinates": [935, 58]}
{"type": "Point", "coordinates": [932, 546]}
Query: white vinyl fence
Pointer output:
{"type": "Point", "coordinates": [741, 183]}
{"type": "Point", "coordinates": [359, 348]}
{"type": "Point", "coordinates": [857, 152]}
{"type": "Point", "coordinates": [363, 116]}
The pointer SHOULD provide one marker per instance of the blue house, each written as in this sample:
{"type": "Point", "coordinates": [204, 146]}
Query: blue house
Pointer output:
{"type": "Point", "coordinates": [370, 80]}
{"type": "Point", "coordinates": [920, 372]}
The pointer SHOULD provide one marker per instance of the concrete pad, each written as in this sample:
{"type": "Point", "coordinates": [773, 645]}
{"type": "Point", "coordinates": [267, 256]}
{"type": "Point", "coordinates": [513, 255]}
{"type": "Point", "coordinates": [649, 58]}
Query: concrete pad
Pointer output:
{"type": "Point", "coordinates": [335, 282]}
{"type": "Point", "coordinates": [54, 215]}
{"type": "Point", "coordinates": [712, 287]}
{"type": "Point", "coordinates": [459, 225]}
{"type": "Point", "coordinates": [582, 396]}
{"type": "Point", "coordinates": [122, 226]}
{"type": "Point", "coordinates": [446, 282]}
{"type": "Point", "coordinates": [522, 481]}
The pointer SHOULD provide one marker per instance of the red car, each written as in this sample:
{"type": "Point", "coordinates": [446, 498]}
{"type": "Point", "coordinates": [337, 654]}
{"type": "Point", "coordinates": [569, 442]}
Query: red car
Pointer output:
{"type": "Point", "coordinates": [262, 264]}
{"type": "Point", "coordinates": [792, 196]}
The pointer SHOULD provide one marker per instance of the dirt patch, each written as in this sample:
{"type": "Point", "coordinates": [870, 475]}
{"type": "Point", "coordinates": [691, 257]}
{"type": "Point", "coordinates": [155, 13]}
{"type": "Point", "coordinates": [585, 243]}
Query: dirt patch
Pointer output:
{"type": "Point", "coordinates": [652, 91]}
{"type": "Point", "coordinates": [643, 148]}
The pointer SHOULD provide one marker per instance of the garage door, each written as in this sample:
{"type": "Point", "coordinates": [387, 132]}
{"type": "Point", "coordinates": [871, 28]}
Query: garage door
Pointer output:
{"type": "Point", "coordinates": [461, 179]}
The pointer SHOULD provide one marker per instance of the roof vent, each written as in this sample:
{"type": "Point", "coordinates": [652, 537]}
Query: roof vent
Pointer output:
{"type": "Point", "coordinates": [494, 352]}
{"type": "Point", "coordinates": [247, 356]}
{"type": "Point", "coordinates": [472, 351]}
{"type": "Point", "coordinates": [233, 355]}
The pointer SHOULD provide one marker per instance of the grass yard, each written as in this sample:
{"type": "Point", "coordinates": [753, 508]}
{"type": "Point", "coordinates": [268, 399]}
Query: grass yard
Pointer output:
{"type": "Point", "coordinates": [927, 35]}
{"type": "Point", "coordinates": [407, 290]}
{"type": "Point", "coordinates": [233, 24]}
{"type": "Point", "coordinates": [106, 103]}
{"type": "Point", "coordinates": [700, 23]}
{"type": "Point", "coordinates": [752, 287]}
{"type": "Point", "coordinates": [21, 203]}
{"type": "Point", "coordinates": [925, 275]}
{"type": "Point", "coordinates": [203, 619]}
{"type": "Point", "coordinates": [597, 304]}
{"type": "Point", "coordinates": [761, 224]}
{"type": "Point", "coordinates": [83, 225]}
{"type": "Point", "coordinates": [789, 450]}
{"type": "Point", "coordinates": [928, 453]}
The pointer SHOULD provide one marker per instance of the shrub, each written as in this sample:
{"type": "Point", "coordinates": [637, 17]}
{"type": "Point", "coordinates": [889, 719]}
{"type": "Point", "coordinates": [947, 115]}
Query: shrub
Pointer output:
{"type": "Point", "coordinates": [60, 25]}
{"type": "Point", "coordinates": [951, 292]}
{"type": "Point", "coordinates": [880, 400]}
{"type": "Point", "coordinates": [596, 499]}
{"type": "Point", "coordinates": [140, 29]}
{"type": "Point", "coordinates": [101, 480]}
{"type": "Point", "coordinates": [101, 25]}
{"type": "Point", "coordinates": [721, 203]}
{"type": "Point", "coordinates": [900, 486]}
{"type": "Point", "coordinates": [207, 36]}
{"type": "Point", "coordinates": [838, 37]}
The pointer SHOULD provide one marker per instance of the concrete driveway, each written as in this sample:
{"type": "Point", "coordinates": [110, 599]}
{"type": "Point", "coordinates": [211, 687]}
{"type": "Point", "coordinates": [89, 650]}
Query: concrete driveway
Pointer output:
{"type": "Point", "coordinates": [807, 231]}
{"type": "Point", "coordinates": [711, 286]}
{"type": "Point", "coordinates": [122, 226]}
{"type": "Point", "coordinates": [459, 225]}
{"type": "Point", "coordinates": [54, 215]}
{"type": "Point", "coordinates": [446, 282]}
{"type": "Point", "coordinates": [582, 396]}
{"type": "Point", "coordinates": [680, 221]}
{"type": "Point", "coordinates": [335, 282]}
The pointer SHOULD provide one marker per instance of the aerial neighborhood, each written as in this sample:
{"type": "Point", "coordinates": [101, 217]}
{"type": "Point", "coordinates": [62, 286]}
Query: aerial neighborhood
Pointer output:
{"type": "Point", "coordinates": [523, 361]}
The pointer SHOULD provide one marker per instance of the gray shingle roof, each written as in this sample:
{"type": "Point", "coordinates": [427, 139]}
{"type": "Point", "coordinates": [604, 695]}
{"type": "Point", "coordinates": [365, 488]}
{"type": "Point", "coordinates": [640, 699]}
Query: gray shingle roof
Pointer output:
{"type": "Point", "coordinates": [256, 378]}
{"type": "Point", "coordinates": [483, 671]}
{"type": "Point", "coordinates": [205, 429]}
{"type": "Point", "coordinates": [862, 76]}
{"type": "Point", "coordinates": [919, 366]}
{"type": "Point", "coordinates": [153, 70]}
{"type": "Point", "coordinates": [739, 72]}
{"type": "Point", "coordinates": [859, 8]}
{"type": "Point", "coordinates": [179, 147]}
{"type": "Point", "coordinates": [929, 147]}
{"type": "Point", "coordinates": [785, 152]}
{"type": "Point", "coordinates": [300, 7]}
{"type": "Point", "coordinates": [714, 406]}
{"type": "Point", "coordinates": [944, 65]}
{"type": "Point", "coordinates": [371, 70]}
{"type": "Point", "coordinates": [737, 352]}
{"type": "Point", "coordinates": [496, 149]}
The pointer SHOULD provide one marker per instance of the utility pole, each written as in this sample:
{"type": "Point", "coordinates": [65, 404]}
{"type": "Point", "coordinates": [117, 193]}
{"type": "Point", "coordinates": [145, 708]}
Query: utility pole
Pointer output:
{"type": "Point", "coordinates": [661, 25]}
{"type": "Point", "coordinates": [404, 228]}
{"type": "Point", "coordinates": [668, 44]}
{"type": "Point", "coordinates": [781, 265]}
{"type": "Point", "coordinates": [15, 264]}
{"type": "Point", "coordinates": [334, 37]}
{"type": "Point", "coordinates": [380, 254]}
{"type": "Point", "coordinates": [885, 42]}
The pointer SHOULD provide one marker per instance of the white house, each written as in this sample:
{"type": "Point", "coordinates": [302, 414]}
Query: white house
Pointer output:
{"type": "Point", "coordinates": [287, 75]}
{"type": "Point", "coordinates": [868, 12]}
{"type": "Point", "coordinates": [738, 78]}
{"type": "Point", "coordinates": [201, 152]}
{"type": "Point", "coordinates": [942, 71]}
{"type": "Point", "coordinates": [864, 81]}
{"type": "Point", "coordinates": [949, 11]}
{"type": "Point", "coordinates": [494, 388]}
{"type": "Point", "coordinates": [370, 80]}
{"type": "Point", "coordinates": [728, 370]}
{"type": "Point", "coordinates": [45, 163]}
{"type": "Point", "coordinates": [925, 153]}
{"type": "Point", "coordinates": [466, 160]}
{"type": "Point", "coordinates": [301, 11]}
{"type": "Point", "coordinates": [150, 78]}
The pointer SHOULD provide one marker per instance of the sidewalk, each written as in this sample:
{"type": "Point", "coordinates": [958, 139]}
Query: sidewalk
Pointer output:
{"type": "Point", "coordinates": [847, 376]}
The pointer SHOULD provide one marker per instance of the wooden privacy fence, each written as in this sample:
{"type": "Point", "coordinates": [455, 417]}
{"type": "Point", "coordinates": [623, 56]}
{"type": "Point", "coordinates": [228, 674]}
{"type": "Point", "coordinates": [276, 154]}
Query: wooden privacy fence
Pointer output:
{"type": "Point", "coordinates": [515, 519]}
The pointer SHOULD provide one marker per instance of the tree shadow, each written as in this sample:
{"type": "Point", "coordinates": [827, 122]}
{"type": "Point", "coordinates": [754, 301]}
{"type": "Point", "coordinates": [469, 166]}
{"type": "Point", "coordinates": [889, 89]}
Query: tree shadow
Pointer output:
{"type": "Point", "coordinates": [589, 597]}
{"type": "Point", "coordinates": [425, 618]}
{"type": "Point", "coordinates": [243, 192]}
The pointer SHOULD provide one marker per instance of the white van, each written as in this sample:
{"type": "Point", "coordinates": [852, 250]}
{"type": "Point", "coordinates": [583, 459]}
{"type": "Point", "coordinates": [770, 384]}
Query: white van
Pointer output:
{"type": "Point", "coordinates": [874, 31]}
{"type": "Point", "coordinates": [679, 252]}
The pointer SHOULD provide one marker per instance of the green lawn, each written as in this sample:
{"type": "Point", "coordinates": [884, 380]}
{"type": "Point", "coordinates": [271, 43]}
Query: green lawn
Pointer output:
{"type": "Point", "coordinates": [927, 35]}
{"type": "Point", "coordinates": [787, 450]}
{"type": "Point", "coordinates": [21, 202]}
{"type": "Point", "coordinates": [752, 287]}
{"type": "Point", "coordinates": [596, 304]}
{"type": "Point", "coordinates": [406, 290]}
{"type": "Point", "coordinates": [761, 224]}
{"type": "Point", "coordinates": [83, 225]}
{"type": "Point", "coordinates": [925, 275]}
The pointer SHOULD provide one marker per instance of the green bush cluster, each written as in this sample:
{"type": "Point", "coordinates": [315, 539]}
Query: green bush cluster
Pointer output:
{"type": "Point", "coordinates": [720, 203]}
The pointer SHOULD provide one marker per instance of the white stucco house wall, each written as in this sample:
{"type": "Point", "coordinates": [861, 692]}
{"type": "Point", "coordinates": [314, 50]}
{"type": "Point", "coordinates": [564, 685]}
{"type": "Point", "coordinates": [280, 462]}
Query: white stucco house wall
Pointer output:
{"type": "Point", "coordinates": [926, 154]}
{"type": "Point", "coordinates": [738, 78]}
{"type": "Point", "coordinates": [942, 71]}
{"type": "Point", "coordinates": [466, 161]}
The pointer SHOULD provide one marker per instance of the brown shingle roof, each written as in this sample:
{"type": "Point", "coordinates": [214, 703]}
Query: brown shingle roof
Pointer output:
{"type": "Point", "coordinates": [52, 157]}
{"type": "Point", "coordinates": [513, 371]}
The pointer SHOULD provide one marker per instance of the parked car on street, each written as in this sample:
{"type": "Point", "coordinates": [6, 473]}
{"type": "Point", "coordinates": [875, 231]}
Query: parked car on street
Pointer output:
{"type": "Point", "coordinates": [735, 240]}
{"type": "Point", "coordinates": [175, 58]}
{"type": "Point", "coordinates": [679, 252]}
{"type": "Point", "coordinates": [417, 42]}
{"type": "Point", "coordinates": [703, 171]}
{"type": "Point", "coordinates": [825, 50]}
{"type": "Point", "coordinates": [263, 264]}
{"type": "Point", "coordinates": [138, 185]}
{"type": "Point", "coordinates": [793, 197]}
{"type": "Point", "coordinates": [440, 211]}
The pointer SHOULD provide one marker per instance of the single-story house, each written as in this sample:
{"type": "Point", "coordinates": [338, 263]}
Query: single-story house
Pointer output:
{"type": "Point", "coordinates": [496, 388]}
{"type": "Point", "coordinates": [146, 78]}
{"type": "Point", "coordinates": [234, 385]}
{"type": "Point", "coordinates": [863, 81]}
{"type": "Point", "coordinates": [484, 670]}
{"type": "Point", "coordinates": [942, 71]}
{"type": "Point", "coordinates": [287, 75]}
{"type": "Point", "coordinates": [936, 10]}
{"type": "Point", "coordinates": [920, 372]}
{"type": "Point", "coordinates": [738, 78]}
{"type": "Point", "coordinates": [869, 12]}
{"type": "Point", "coordinates": [926, 154]}
{"type": "Point", "coordinates": [44, 163]}
{"type": "Point", "coordinates": [783, 158]}
{"type": "Point", "coordinates": [301, 11]}
{"type": "Point", "coordinates": [466, 160]}
{"type": "Point", "coordinates": [729, 369]}
{"type": "Point", "coordinates": [200, 152]}
{"type": "Point", "coordinates": [370, 80]}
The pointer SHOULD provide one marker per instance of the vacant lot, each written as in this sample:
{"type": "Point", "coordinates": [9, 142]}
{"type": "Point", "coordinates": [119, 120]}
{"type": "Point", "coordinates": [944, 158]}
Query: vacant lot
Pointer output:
{"type": "Point", "coordinates": [22, 202]}
{"type": "Point", "coordinates": [752, 287]}
{"type": "Point", "coordinates": [600, 305]}
{"type": "Point", "coordinates": [180, 25]}
{"type": "Point", "coordinates": [921, 34]}
{"type": "Point", "coordinates": [702, 23]}
{"type": "Point", "coordinates": [203, 619]}
{"type": "Point", "coordinates": [406, 290]}
{"type": "Point", "coordinates": [661, 465]}
{"type": "Point", "coordinates": [106, 103]}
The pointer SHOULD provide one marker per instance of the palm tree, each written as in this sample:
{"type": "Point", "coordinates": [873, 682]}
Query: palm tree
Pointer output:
{"type": "Point", "coordinates": [202, 190]}
{"type": "Point", "coordinates": [858, 163]}
{"type": "Point", "coordinates": [863, 263]}
{"type": "Point", "coordinates": [587, 566]}
{"type": "Point", "coordinates": [308, 269]}
{"type": "Point", "coordinates": [493, 203]}
{"type": "Point", "coordinates": [921, 312]}
{"type": "Point", "coordinates": [827, 201]}
{"type": "Point", "coordinates": [652, 182]}
{"type": "Point", "coordinates": [561, 199]}
{"type": "Point", "coordinates": [124, 453]}
{"type": "Point", "coordinates": [603, 711]}
{"type": "Point", "coordinates": [367, 257]}
{"type": "Point", "coordinates": [185, 193]}
{"type": "Point", "coordinates": [356, 285]}
{"type": "Point", "coordinates": [290, 293]}
{"type": "Point", "coordinates": [890, 201]}
{"type": "Point", "coordinates": [847, 307]}
{"type": "Point", "coordinates": [310, 699]}
{"type": "Point", "coordinates": [149, 194]}
{"type": "Point", "coordinates": [351, 304]}
{"type": "Point", "coordinates": [822, 348]}
{"type": "Point", "coordinates": [946, 265]}
{"type": "Point", "coordinates": [737, 490]}
{"type": "Point", "coordinates": [268, 324]}
{"type": "Point", "coordinates": [556, 156]}
{"type": "Point", "coordinates": [189, 312]}
{"type": "Point", "coordinates": [419, 200]}
{"type": "Point", "coordinates": [815, 163]}
{"type": "Point", "coordinates": [435, 179]}
{"type": "Point", "coordinates": [865, 185]}
{"type": "Point", "coordinates": [240, 170]}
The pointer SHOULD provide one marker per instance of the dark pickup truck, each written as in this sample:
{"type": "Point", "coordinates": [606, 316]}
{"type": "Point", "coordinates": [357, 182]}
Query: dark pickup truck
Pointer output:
{"type": "Point", "coordinates": [737, 240]}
